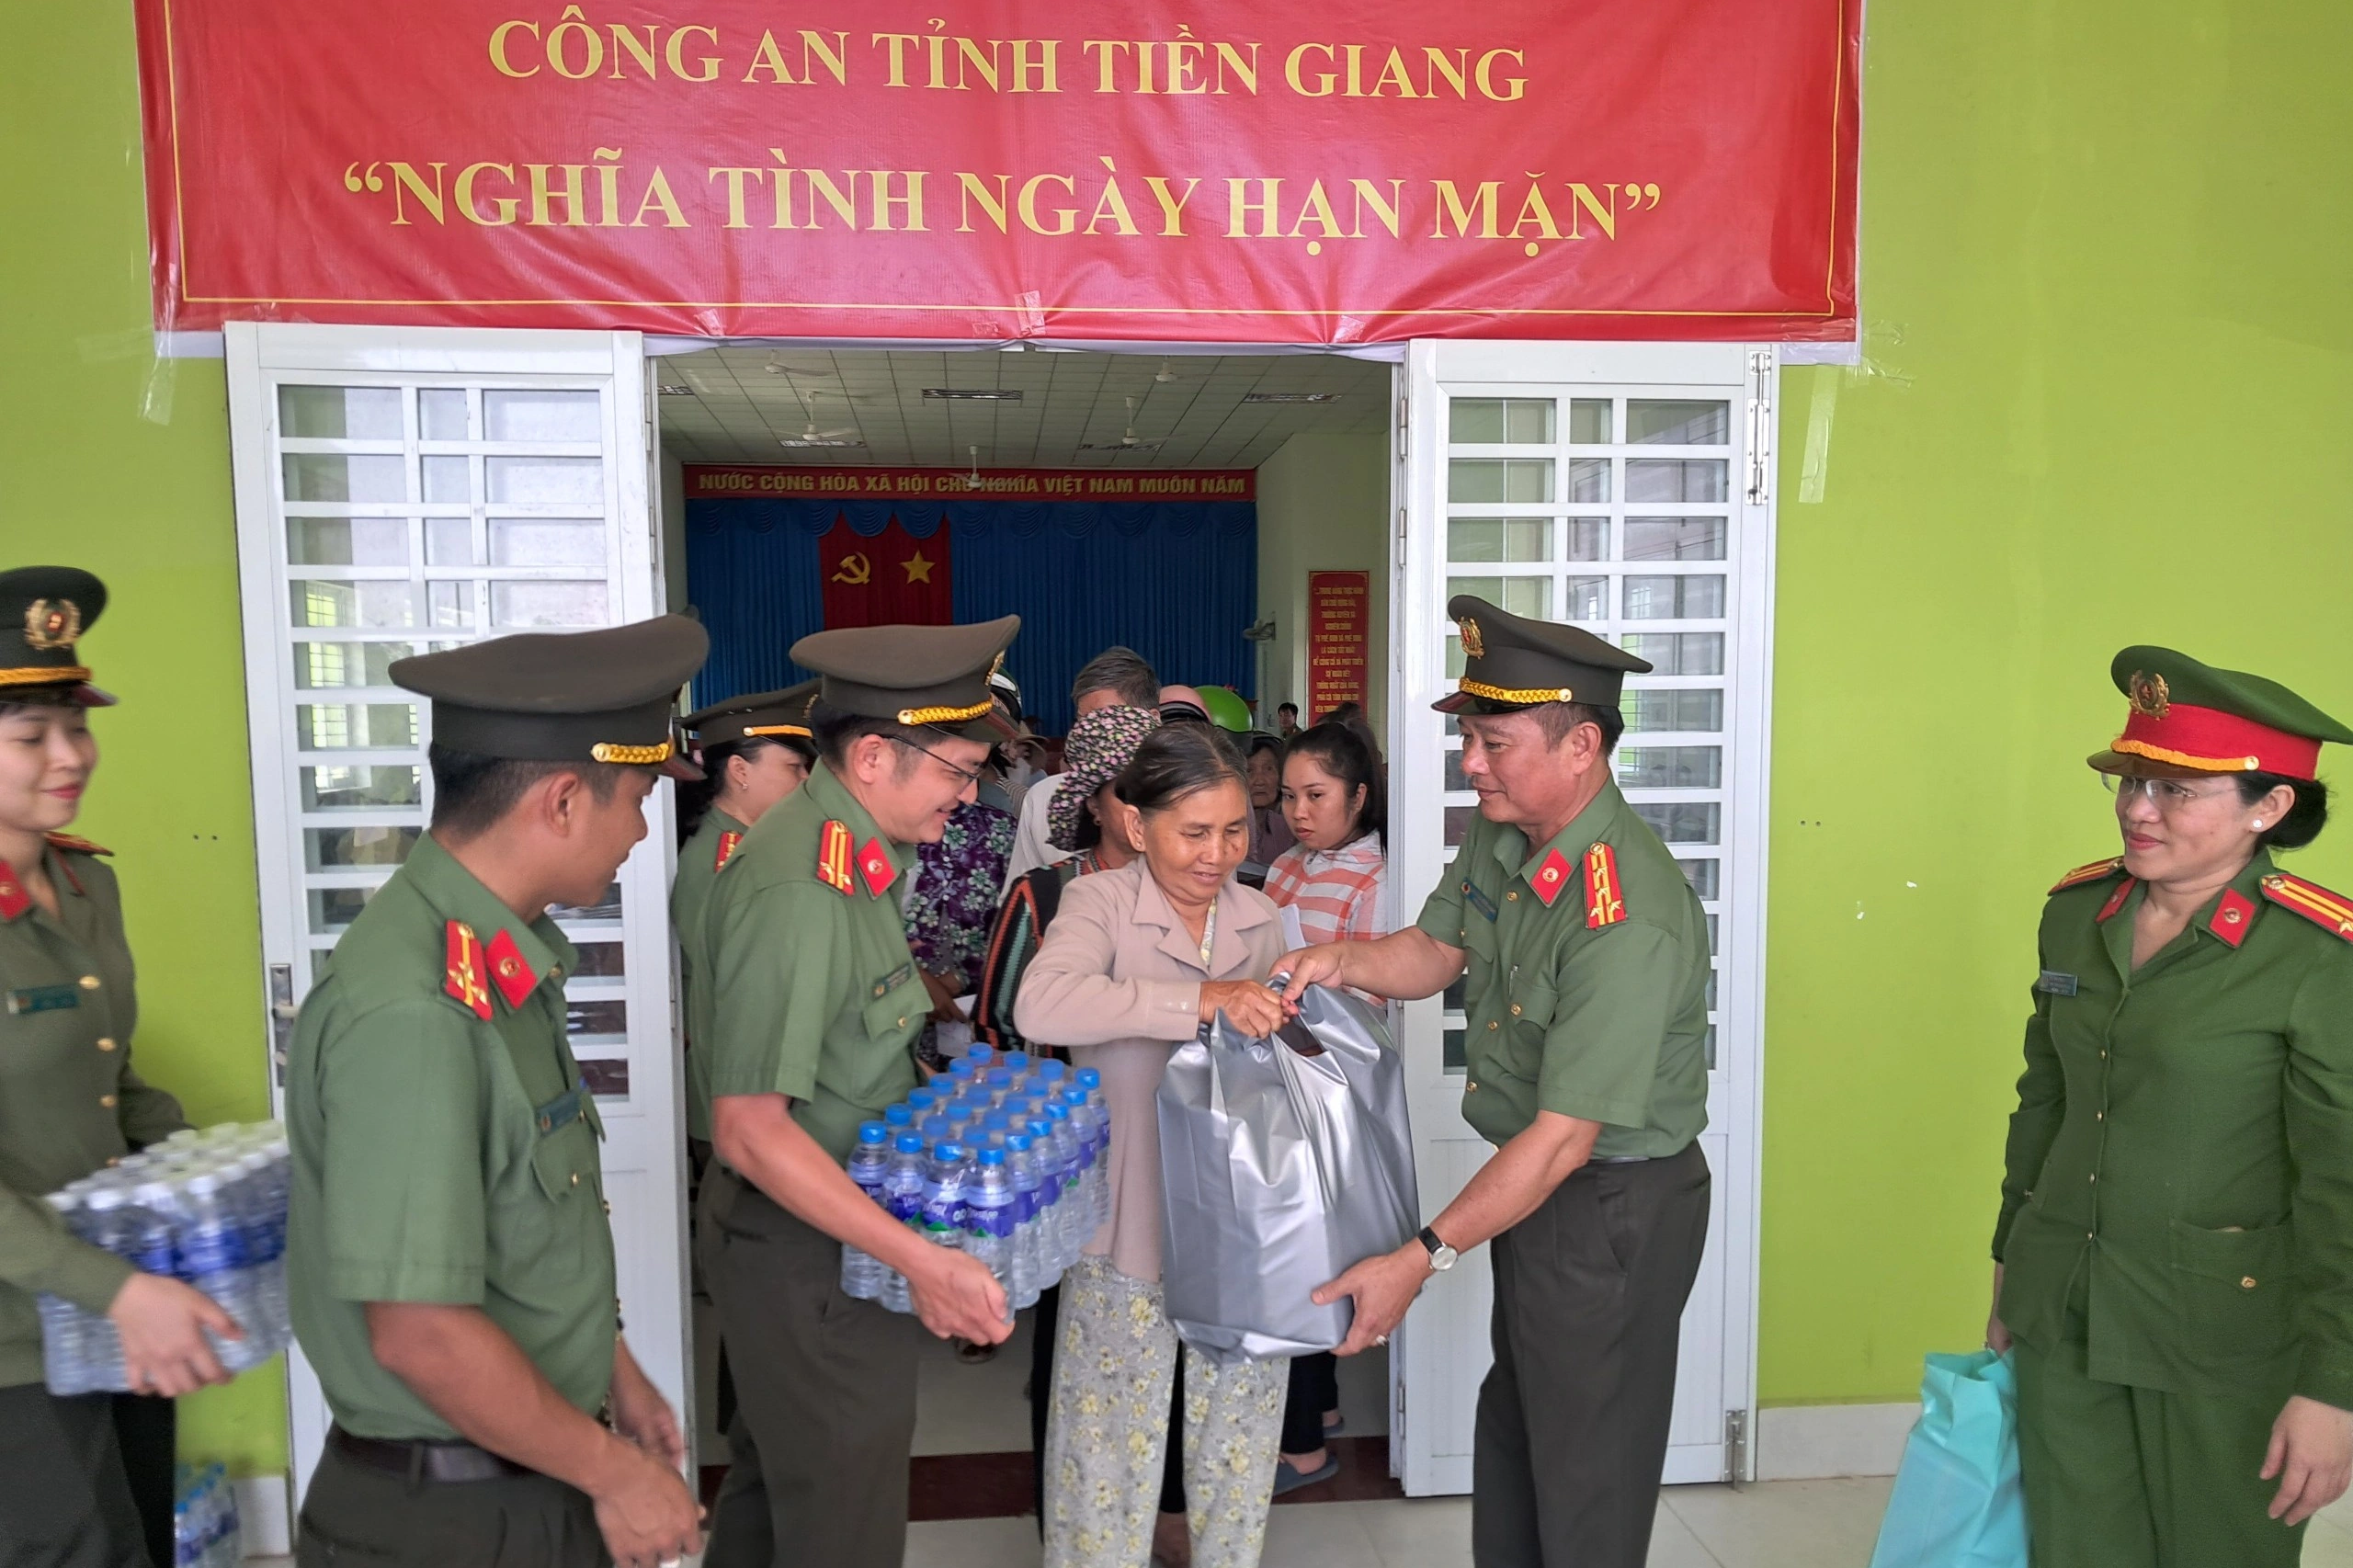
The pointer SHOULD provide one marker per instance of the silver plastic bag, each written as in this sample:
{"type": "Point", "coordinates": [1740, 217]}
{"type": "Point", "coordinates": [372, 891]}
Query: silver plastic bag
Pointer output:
{"type": "Point", "coordinates": [1282, 1162]}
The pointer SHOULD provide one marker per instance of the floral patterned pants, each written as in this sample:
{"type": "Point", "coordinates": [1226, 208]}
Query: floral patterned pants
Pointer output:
{"type": "Point", "coordinates": [1107, 1424]}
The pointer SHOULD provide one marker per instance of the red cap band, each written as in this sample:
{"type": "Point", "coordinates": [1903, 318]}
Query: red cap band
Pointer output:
{"type": "Point", "coordinates": [2214, 741]}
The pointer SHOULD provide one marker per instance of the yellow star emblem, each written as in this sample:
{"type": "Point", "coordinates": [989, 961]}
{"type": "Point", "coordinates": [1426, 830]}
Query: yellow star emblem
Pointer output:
{"type": "Point", "coordinates": [919, 569]}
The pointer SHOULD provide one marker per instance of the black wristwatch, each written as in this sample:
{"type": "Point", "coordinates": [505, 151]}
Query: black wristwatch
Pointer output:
{"type": "Point", "coordinates": [1442, 1257]}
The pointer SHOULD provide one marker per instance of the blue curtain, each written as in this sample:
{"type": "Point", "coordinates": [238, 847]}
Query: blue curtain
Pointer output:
{"type": "Point", "coordinates": [1176, 581]}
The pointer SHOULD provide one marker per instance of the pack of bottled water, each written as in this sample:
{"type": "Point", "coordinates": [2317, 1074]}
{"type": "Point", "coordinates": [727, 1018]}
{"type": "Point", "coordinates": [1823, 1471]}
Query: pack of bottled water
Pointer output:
{"type": "Point", "coordinates": [205, 1532]}
{"type": "Point", "coordinates": [1002, 1157]}
{"type": "Point", "coordinates": [206, 1208]}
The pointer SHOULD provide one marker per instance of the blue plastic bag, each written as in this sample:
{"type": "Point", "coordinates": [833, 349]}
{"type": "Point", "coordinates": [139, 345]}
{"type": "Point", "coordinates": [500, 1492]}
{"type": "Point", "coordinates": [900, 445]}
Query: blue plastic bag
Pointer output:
{"type": "Point", "coordinates": [1957, 1502]}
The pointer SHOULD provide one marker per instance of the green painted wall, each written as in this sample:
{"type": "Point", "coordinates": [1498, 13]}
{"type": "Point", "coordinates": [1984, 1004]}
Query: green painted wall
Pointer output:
{"type": "Point", "coordinates": [2110, 368]}
{"type": "Point", "coordinates": [2110, 363]}
{"type": "Point", "coordinates": [110, 463]}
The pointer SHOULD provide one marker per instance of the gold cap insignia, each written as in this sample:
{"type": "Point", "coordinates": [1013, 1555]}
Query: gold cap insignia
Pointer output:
{"type": "Point", "coordinates": [2150, 698]}
{"type": "Point", "coordinates": [1473, 644]}
{"type": "Point", "coordinates": [50, 624]}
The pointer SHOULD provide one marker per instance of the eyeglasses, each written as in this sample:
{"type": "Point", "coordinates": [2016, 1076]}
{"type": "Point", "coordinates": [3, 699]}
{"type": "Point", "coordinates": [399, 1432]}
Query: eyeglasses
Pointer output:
{"type": "Point", "coordinates": [970, 776]}
{"type": "Point", "coordinates": [2165, 794]}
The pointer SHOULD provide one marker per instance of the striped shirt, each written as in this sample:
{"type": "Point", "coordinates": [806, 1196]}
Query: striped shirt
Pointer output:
{"type": "Point", "coordinates": [1336, 892]}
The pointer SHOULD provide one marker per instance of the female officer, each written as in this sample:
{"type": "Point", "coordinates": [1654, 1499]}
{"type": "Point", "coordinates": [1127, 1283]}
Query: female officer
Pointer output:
{"type": "Point", "coordinates": [70, 1104]}
{"type": "Point", "coordinates": [2173, 1258]}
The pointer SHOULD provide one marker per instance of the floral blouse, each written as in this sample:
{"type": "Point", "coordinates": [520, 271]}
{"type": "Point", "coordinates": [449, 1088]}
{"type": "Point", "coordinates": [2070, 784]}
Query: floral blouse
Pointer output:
{"type": "Point", "coordinates": [952, 905]}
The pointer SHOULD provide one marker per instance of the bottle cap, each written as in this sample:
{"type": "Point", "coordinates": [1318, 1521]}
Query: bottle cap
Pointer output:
{"type": "Point", "coordinates": [979, 1051]}
{"type": "Point", "coordinates": [107, 1198]}
{"type": "Point", "coordinates": [910, 1143]}
{"type": "Point", "coordinates": [1074, 1096]}
{"type": "Point", "coordinates": [1057, 1112]}
{"type": "Point", "coordinates": [898, 1116]}
{"type": "Point", "coordinates": [920, 1100]}
{"type": "Point", "coordinates": [1089, 1078]}
{"type": "Point", "coordinates": [1049, 1070]}
{"type": "Point", "coordinates": [996, 1122]}
{"type": "Point", "coordinates": [991, 1156]}
{"type": "Point", "coordinates": [1017, 1142]}
{"type": "Point", "coordinates": [962, 1067]}
{"type": "Point", "coordinates": [936, 1128]}
{"type": "Point", "coordinates": [1000, 1079]}
{"type": "Point", "coordinates": [872, 1131]}
{"type": "Point", "coordinates": [1040, 1127]}
{"type": "Point", "coordinates": [949, 1151]}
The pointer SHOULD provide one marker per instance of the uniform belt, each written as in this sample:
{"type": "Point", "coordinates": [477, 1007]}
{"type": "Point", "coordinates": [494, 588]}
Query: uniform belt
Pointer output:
{"type": "Point", "coordinates": [420, 1460]}
{"type": "Point", "coordinates": [1625, 1159]}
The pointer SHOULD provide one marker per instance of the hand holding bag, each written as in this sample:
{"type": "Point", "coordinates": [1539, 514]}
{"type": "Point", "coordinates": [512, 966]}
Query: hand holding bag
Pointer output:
{"type": "Point", "coordinates": [1957, 1502]}
{"type": "Point", "coordinates": [1283, 1161]}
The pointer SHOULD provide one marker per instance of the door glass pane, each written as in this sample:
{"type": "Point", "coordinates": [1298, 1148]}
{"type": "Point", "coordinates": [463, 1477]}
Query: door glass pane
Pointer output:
{"type": "Point", "coordinates": [1588, 599]}
{"type": "Point", "coordinates": [442, 412]}
{"type": "Point", "coordinates": [1499, 479]}
{"type": "Point", "coordinates": [1676, 479]}
{"type": "Point", "coordinates": [1671, 768]}
{"type": "Point", "coordinates": [383, 605]}
{"type": "Point", "coordinates": [333, 908]}
{"type": "Point", "coordinates": [1454, 778]}
{"type": "Point", "coordinates": [344, 726]}
{"type": "Point", "coordinates": [1588, 539]}
{"type": "Point", "coordinates": [1479, 421]}
{"type": "Point", "coordinates": [1702, 875]}
{"type": "Point", "coordinates": [1677, 424]}
{"type": "Point", "coordinates": [1522, 595]}
{"type": "Point", "coordinates": [604, 1016]}
{"type": "Point", "coordinates": [449, 542]}
{"type": "Point", "coordinates": [1684, 821]}
{"type": "Point", "coordinates": [547, 604]}
{"type": "Point", "coordinates": [339, 414]}
{"type": "Point", "coordinates": [607, 907]}
{"type": "Point", "coordinates": [327, 849]}
{"type": "Point", "coordinates": [541, 415]}
{"type": "Point", "coordinates": [1458, 822]}
{"type": "Point", "coordinates": [327, 666]}
{"type": "Point", "coordinates": [452, 604]}
{"type": "Point", "coordinates": [1679, 652]}
{"type": "Point", "coordinates": [1589, 478]}
{"type": "Point", "coordinates": [334, 476]}
{"type": "Point", "coordinates": [1693, 598]}
{"type": "Point", "coordinates": [1474, 539]}
{"type": "Point", "coordinates": [533, 542]}
{"type": "Point", "coordinates": [607, 959]}
{"type": "Point", "coordinates": [1589, 421]}
{"type": "Point", "coordinates": [1675, 539]}
{"type": "Point", "coordinates": [347, 542]}
{"type": "Point", "coordinates": [359, 789]}
{"type": "Point", "coordinates": [1651, 709]}
{"type": "Point", "coordinates": [448, 480]}
{"type": "Point", "coordinates": [571, 480]}
{"type": "Point", "coordinates": [607, 1077]}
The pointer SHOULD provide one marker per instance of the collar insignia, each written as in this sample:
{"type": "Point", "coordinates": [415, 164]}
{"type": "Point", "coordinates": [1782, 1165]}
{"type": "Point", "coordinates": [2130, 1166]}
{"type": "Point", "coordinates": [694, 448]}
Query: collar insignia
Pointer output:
{"type": "Point", "coordinates": [52, 624]}
{"type": "Point", "coordinates": [2232, 917]}
{"type": "Point", "coordinates": [510, 971]}
{"type": "Point", "coordinates": [14, 899]}
{"type": "Point", "coordinates": [2116, 899]}
{"type": "Point", "coordinates": [875, 865]}
{"type": "Point", "coordinates": [1550, 877]}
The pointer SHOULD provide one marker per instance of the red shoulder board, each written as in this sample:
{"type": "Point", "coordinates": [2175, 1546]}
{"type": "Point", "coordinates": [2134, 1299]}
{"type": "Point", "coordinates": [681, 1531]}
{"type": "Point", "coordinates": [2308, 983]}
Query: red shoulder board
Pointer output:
{"type": "Point", "coordinates": [510, 971]}
{"type": "Point", "coordinates": [2090, 873]}
{"type": "Point", "coordinates": [834, 856]}
{"type": "Point", "coordinates": [2233, 918]}
{"type": "Point", "coordinates": [1551, 877]}
{"type": "Point", "coordinates": [1603, 906]}
{"type": "Point", "coordinates": [14, 899]}
{"type": "Point", "coordinates": [78, 846]}
{"type": "Point", "coordinates": [874, 863]}
{"type": "Point", "coordinates": [727, 843]}
{"type": "Point", "coordinates": [468, 978]}
{"type": "Point", "coordinates": [2330, 910]}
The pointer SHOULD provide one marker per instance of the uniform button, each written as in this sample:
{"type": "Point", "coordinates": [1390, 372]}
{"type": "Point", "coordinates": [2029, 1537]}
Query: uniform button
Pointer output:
{"type": "Point", "coordinates": [2103, 1056]}
{"type": "Point", "coordinates": [575, 1178]}
{"type": "Point", "coordinates": [107, 1100]}
{"type": "Point", "coordinates": [89, 983]}
{"type": "Point", "coordinates": [903, 1023]}
{"type": "Point", "coordinates": [555, 969]}
{"type": "Point", "coordinates": [1511, 898]}
{"type": "Point", "coordinates": [2089, 1237]}
{"type": "Point", "coordinates": [2095, 1176]}
{"type": "Point", "coordinates": [2247, 1283]}
{"type": "Point", "coordinates": [105, 1044]}
{"type": "Point", "coordinates": [1470, 1089]}
{"type": "Point", "coordinates": [2099, 1116]}
{"type": "Point", "coordinates": [1515, 1009]}
{"type": "Point", "coordinates": [1495, 1023]}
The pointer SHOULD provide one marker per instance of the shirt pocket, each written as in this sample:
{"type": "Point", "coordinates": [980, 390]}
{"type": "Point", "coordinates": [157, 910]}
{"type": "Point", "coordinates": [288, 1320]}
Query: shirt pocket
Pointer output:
{"type": "Point", "coordinates": [2231, 1288]}
{"type": "Point", "coordinates": [891, 1021]}
{"type": "Point", "coordinates": [565, 1170]}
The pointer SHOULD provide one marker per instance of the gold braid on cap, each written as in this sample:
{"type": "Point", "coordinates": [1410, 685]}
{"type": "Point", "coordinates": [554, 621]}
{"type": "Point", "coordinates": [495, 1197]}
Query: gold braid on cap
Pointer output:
{"type": "Point", "coordinates": [51, 674]}
{"type": "Point", "coordinates": [801, 730]}
{"type": "Point", "coordinates": [1516, 694]}
{"type": "Point", "coordinates": [946, 715]}
{"type": "Point", "coordinates": [637, 757]}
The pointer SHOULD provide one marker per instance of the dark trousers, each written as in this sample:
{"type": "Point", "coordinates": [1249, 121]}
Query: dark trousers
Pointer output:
{"type": "Point", "coordinates": [356, 1516]}
{"type": "Point", "coordinates": [147, 1430]}
{"type": "Point", "coordinates": [1572, 1417]}
{"type": "Point", "coordinates": [824, 1395]}
{"type": "Point", "coordinates": [1314, 1389]}
{"type": "Point", "coordinates": [1044, 1331]}
{"type": "Point", "coordinates": [64, 1502]}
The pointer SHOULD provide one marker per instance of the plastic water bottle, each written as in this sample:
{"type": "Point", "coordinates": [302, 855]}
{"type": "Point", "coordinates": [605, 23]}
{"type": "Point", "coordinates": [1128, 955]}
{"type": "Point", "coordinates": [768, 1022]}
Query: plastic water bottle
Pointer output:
{"type": "Point", "coordinates": [1048, 1074]}
{"type": "Point", "coordinates": [1022, 1286]}
{"type": "Point", "coordinates": [1071, 1230]}
{"type": "Point", "coordinates": [902, 1183]}
{"type": "Point", "coordinates": [942, 1221]}
{"type": "Point", "coordinates": [1000, 1083]}
{"type": "Point", "coordinates": [64, 1355]}
{"type": "Point", "coordinates": [898, 1119]}
{"type": "Point", "coordinates": [994, 1126]}
{"type": "Point", "coordinates": [988, 1218]}
{"type": "Point", "coordinates": [980, 1053]}
{"type": "Point", "coordinates": [862, 1275]}
{"type": "Point", "coordinates": [212, 1257]}
{"type": "Point", "coordinates": [920, 1102]}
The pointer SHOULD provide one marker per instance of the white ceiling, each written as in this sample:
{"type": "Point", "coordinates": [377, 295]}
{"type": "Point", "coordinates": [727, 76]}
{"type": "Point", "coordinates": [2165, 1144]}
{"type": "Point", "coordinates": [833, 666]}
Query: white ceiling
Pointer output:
{"type": "Point", "coordinates": [740, 403]}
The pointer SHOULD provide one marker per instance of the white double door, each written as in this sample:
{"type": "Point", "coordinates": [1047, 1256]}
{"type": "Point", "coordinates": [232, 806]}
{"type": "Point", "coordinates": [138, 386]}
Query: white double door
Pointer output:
{"type": "Point", "coordinates": [400, 491]}
{"type": "Point", "coordinates": [1625, 488]}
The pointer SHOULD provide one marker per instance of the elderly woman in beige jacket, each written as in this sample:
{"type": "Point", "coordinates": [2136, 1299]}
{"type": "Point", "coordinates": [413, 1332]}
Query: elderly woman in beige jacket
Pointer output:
{"type": "Point", "coordinates": [1137, 960]}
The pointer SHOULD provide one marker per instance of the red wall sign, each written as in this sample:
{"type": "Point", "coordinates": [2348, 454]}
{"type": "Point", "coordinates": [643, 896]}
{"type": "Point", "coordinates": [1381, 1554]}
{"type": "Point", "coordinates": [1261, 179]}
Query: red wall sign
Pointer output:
{"type": "Point", "coordinates": [1226, 170]}
{"type": "Point", "coordinates": [1340, 617]}
{"type": "Point", "coordinates": [800, 482]}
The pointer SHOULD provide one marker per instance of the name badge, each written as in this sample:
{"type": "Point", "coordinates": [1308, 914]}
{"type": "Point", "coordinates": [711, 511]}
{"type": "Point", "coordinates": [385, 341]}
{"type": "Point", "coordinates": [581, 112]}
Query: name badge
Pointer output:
{"type": "Point", "coordinates": [2053, 983]}
{"type": "Point", "coordinates": [1479, 900]}
{"type": "Point", "coordinates": [44, 998]}
{"type": "Point", "coordinates": [897, 977]}
{"type": "Point", "coordinates": [559, 1112]}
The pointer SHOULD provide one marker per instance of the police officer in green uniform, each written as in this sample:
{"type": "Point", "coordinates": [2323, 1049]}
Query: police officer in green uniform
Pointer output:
{"type": "Point", "coordinates": [449, 1259]}
{"type": "Point", "coordinates": [71, 1103]}
{"type": "Point", "coordinates": [2173, 1259]}
{"type": "Point", "coordinates": [1585, 957]}
{"type": "Point", "coordinates": [817, 1006]}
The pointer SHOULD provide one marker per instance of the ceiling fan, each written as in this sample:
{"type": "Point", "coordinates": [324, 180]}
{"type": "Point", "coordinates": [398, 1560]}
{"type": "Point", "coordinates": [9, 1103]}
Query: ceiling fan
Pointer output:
{"type": "Point", "coordinates": [1126, 443]}
{"type": "Point", "coordinates": [812, 437]}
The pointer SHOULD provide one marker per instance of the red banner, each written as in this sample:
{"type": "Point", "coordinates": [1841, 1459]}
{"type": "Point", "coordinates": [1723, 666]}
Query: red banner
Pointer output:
{"type": "Point", "coordinates": [1226, 172]}
{"type": "Point", "coordinates": [1339, 618]}
{"type": "Point", "coordinates": [891, 579]}
{"type": "Point", "coordinates": [738, 481]}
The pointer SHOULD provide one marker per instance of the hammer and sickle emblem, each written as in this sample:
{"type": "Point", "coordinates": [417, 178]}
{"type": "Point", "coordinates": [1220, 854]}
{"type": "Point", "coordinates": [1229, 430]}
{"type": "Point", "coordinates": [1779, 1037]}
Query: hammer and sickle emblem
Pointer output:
{"type": "Point", "coordinates": [2150, 696]}
{"type": "Point", "coordinates": [856, 571]}
{"type": "Point", "coordinates": [50, 624]}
